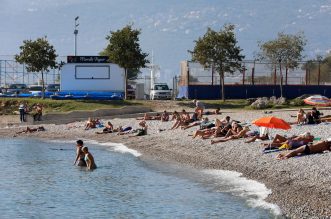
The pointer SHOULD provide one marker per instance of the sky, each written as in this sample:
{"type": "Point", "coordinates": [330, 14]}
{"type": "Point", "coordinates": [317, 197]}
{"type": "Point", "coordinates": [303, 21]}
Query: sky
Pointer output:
{"type": "Point", "coordinates": [168, 27]}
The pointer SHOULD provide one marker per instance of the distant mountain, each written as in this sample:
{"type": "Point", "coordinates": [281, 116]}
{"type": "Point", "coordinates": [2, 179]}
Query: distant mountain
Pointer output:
{"type": "Point", "coordinates": [168, 27]}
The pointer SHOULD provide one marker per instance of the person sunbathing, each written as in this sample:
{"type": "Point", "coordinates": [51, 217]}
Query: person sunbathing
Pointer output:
{"type": "Point", "coordinates": [142, 130]}
{"type": "Point", "coordinates": [241, 134]}
{"type": "Point", "coordinates": [165, 116]}
{"type": "Point", "coordinates": [235, 129]}
{"type": "Point", "coordinates": [148, 117]}
{"type": "Point", "coordinates": [177, 118]}
{"type": "Point", "coordinates": [221, 132]}
{"type": "Point", "coordinates": [90, 124]}
{"type": "Point", "coordinates": [30, 130]}
{"type": "Point", "coordinates": [214, 112]}
{"type": "Point", "coordinates": [185, 119]}
{"type": "Point", "coordinates": [293, 142]}
{"type": "Point", "coordinates": [123, 130]}
{"type": "Point", "coordinates": [194, 122]}
{"type": "Point", "coordinates": [108, 129]}
{"type": "Point", "coordinates": [205, 133]}
{"type": "Point", "coordinates": [301, 117]}
{"type": "Point", "coordinates": [262, 135]}
{"type": "Point", "coordinates": [319, 147]}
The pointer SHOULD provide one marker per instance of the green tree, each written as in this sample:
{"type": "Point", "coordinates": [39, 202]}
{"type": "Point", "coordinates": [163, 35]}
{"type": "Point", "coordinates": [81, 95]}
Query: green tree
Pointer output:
{"type": "Point", "coordinates": [219, 50]}
{"type": "Point", "coordinates": [38, 56]}
{"type": "Point", "coordinates": [285, 52]}
{"type": "Point", "coordinates": [123, 49]}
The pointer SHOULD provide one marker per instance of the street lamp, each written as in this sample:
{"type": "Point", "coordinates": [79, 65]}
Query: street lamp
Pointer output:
{"type": "Point", "coordinates": [76, 33]}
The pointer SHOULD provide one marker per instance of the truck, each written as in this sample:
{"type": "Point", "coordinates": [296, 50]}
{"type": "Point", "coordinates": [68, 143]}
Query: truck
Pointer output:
{"type": "Point", "coordinates": [160, 91]}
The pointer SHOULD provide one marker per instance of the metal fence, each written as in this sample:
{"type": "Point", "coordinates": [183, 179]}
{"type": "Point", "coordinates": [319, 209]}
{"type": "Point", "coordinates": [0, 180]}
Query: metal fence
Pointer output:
{"type": "Point", "coordinates": [258, 73]}
{"type": "Point", "coordinates": [11, 72]}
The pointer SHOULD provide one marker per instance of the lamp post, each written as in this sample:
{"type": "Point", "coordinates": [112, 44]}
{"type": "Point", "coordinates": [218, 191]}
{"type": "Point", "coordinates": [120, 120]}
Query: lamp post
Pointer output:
{"type": "Point", "coordinates": [76, 33]}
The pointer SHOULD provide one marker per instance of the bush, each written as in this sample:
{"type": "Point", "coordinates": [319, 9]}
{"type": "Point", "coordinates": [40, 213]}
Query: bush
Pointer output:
{"type": "Point", "coordinates": [297, 102]}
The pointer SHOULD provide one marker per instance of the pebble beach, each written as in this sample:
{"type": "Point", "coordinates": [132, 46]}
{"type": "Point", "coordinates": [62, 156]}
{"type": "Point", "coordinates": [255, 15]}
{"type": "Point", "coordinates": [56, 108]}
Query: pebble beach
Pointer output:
{"type": "Point", "coordinates": [300, 186]}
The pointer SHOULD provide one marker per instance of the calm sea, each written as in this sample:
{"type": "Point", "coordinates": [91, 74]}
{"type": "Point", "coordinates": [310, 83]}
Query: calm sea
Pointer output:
{"type": "Point", "coordinates": [38, 180]}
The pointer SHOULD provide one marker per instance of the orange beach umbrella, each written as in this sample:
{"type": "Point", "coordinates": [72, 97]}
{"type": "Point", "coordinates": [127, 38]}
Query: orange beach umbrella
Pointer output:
{"type": "Point", "coordinates": [272, 122]}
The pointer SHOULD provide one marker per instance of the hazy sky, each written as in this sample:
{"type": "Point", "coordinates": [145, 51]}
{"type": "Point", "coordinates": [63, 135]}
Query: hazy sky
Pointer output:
{"type": "Point", "coordinates": [168, 27]}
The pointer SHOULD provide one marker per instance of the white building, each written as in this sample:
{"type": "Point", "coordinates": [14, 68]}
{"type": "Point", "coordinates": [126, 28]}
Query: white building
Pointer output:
{"type": "Point", "coordinates": [88, 73]}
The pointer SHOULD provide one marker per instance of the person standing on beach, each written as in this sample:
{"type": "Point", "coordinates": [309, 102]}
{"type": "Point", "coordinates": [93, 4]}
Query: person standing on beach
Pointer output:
{"type": "Point", "coordinates": [199, 107]}
{"type": "Point", "coordinates": [89, 159]}
{"type": "Point", "coordinates": [22, 109]}
{"type": "Point", "coordinates": [80, 156]}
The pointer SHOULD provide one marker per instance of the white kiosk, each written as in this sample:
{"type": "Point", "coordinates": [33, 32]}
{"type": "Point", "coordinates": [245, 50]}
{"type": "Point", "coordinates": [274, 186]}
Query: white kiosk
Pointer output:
{"type": "Point", "coordinates": [91, 73]}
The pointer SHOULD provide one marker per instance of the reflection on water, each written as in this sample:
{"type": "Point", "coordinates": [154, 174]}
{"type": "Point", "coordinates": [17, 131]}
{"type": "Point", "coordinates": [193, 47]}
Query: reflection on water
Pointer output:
{"type": "Point", "coordinates": [38, 180]}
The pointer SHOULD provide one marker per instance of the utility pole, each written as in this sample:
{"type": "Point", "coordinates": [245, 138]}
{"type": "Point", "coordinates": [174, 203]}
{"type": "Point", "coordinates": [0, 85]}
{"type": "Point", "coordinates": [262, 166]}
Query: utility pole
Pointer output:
{"type": "Point", "coordinates": [76, 33]}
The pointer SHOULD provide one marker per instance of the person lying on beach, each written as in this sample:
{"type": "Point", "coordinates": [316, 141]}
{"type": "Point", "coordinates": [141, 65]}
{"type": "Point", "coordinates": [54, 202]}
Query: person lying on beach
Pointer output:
{"type": "Point", "coordinates": [292, 142]}
{"type": "Point", "coordinates": [148, 117]}
{"type": "Point", "coordinates": [258, 137]}
{"type": "Point", "coordinates": [108, 129]}
{"type": "Point", "coordinates": [123, 130]}
{"type": "Point", "coordinates": [90, 124]}
{"type": "Point", "coordinates": [80, 161]}
{"type": "Point", "coordinates": [194, 122]}
{"type": "Point", "coordinates": [241, 134]}
{"type": "Point", "coordinates": [214, 112]}
{"type": "Point", "coordinates": [319, 147]}
{"type": "Point", "coordinates": [262, 135]}
{"type": "Point", "coordinates": [89, 159]}
{"type": "Point", "coordinates": [214, 131]}
{"type": "Point", "coordinates": [165, 116]}
{"type": "Point", "coordinates": [235, 129]}
{"type": "Point", "coordinates": [142, 130]}
{"type": "Point", "coordinates": [226, 121]}
{"type": "Point", "coordinates": [30, 130]}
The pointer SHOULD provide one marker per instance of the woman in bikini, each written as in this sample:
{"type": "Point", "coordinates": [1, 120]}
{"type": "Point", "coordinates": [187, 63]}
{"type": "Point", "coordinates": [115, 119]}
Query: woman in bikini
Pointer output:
{"type": "Point", "coordinates": [241, 134]}
{"type": "Point", "coordinates": [319, 147]}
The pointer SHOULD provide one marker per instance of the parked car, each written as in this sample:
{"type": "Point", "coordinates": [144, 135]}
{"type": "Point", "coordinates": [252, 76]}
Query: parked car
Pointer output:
{"type": "Point", "coordinates": [17, 88]}
{"type": "Point", "coordinates": [53, 88]}
{"type": "Point", "coordinates": [160, 91]}
{"type": "Point", "coordinates": [36, 90]}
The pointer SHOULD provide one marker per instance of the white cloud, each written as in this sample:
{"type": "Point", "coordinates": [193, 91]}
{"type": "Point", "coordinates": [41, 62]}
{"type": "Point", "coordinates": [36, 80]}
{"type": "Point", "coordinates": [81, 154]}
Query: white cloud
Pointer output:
{"type": "Point", "coordinates": [32, 9]}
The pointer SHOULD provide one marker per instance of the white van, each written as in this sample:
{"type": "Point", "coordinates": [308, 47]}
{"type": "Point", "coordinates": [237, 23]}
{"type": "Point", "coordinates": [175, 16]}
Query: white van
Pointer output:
{"type": "Point", "coordinates": [160, 91]}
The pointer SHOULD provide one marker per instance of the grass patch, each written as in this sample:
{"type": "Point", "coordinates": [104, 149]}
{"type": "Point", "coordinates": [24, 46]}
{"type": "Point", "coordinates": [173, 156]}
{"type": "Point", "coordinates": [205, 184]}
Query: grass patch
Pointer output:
{"type": "Point", "coordinates": [10, 105]}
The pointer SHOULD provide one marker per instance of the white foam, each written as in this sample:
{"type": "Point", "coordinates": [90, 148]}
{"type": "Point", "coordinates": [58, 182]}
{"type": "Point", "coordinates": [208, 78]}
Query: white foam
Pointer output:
{"type": "Point", "coordinates": [117, 147]}
{"type": "Point", "coordinates": [255, 192]}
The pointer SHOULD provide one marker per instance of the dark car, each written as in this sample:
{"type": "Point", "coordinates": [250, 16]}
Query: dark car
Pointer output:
{"type": "Point", "coordinates": [53, 88]}
{"type": "Point", "coordinates": [17, 88]}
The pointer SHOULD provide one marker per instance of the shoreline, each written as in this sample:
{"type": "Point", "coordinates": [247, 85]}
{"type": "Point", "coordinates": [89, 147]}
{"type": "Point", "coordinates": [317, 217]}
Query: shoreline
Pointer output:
{"type": "Point", "coordinates": [300, 186]}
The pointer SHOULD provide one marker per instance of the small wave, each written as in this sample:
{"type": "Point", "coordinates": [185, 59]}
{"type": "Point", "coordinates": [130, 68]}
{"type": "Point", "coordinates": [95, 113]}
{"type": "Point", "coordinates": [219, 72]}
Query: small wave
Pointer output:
{"type": "Point", "coordinates": [117, 147]}
{"type": "Point", "coordinates": [234, 183]}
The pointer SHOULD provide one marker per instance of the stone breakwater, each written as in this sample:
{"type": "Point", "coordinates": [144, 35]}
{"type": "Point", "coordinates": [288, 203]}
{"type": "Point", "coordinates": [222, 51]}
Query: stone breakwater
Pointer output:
{"type": "Point", "coordinates": [300, 186]}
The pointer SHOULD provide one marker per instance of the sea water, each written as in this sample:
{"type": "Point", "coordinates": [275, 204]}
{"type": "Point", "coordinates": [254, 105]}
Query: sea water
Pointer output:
{"type": "Point", "coordinates": [38, 180]}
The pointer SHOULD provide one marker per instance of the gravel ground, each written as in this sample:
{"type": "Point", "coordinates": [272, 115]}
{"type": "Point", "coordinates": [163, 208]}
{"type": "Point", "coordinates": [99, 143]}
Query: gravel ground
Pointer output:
{"type": "Point", "coordinates": [300, 186]}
